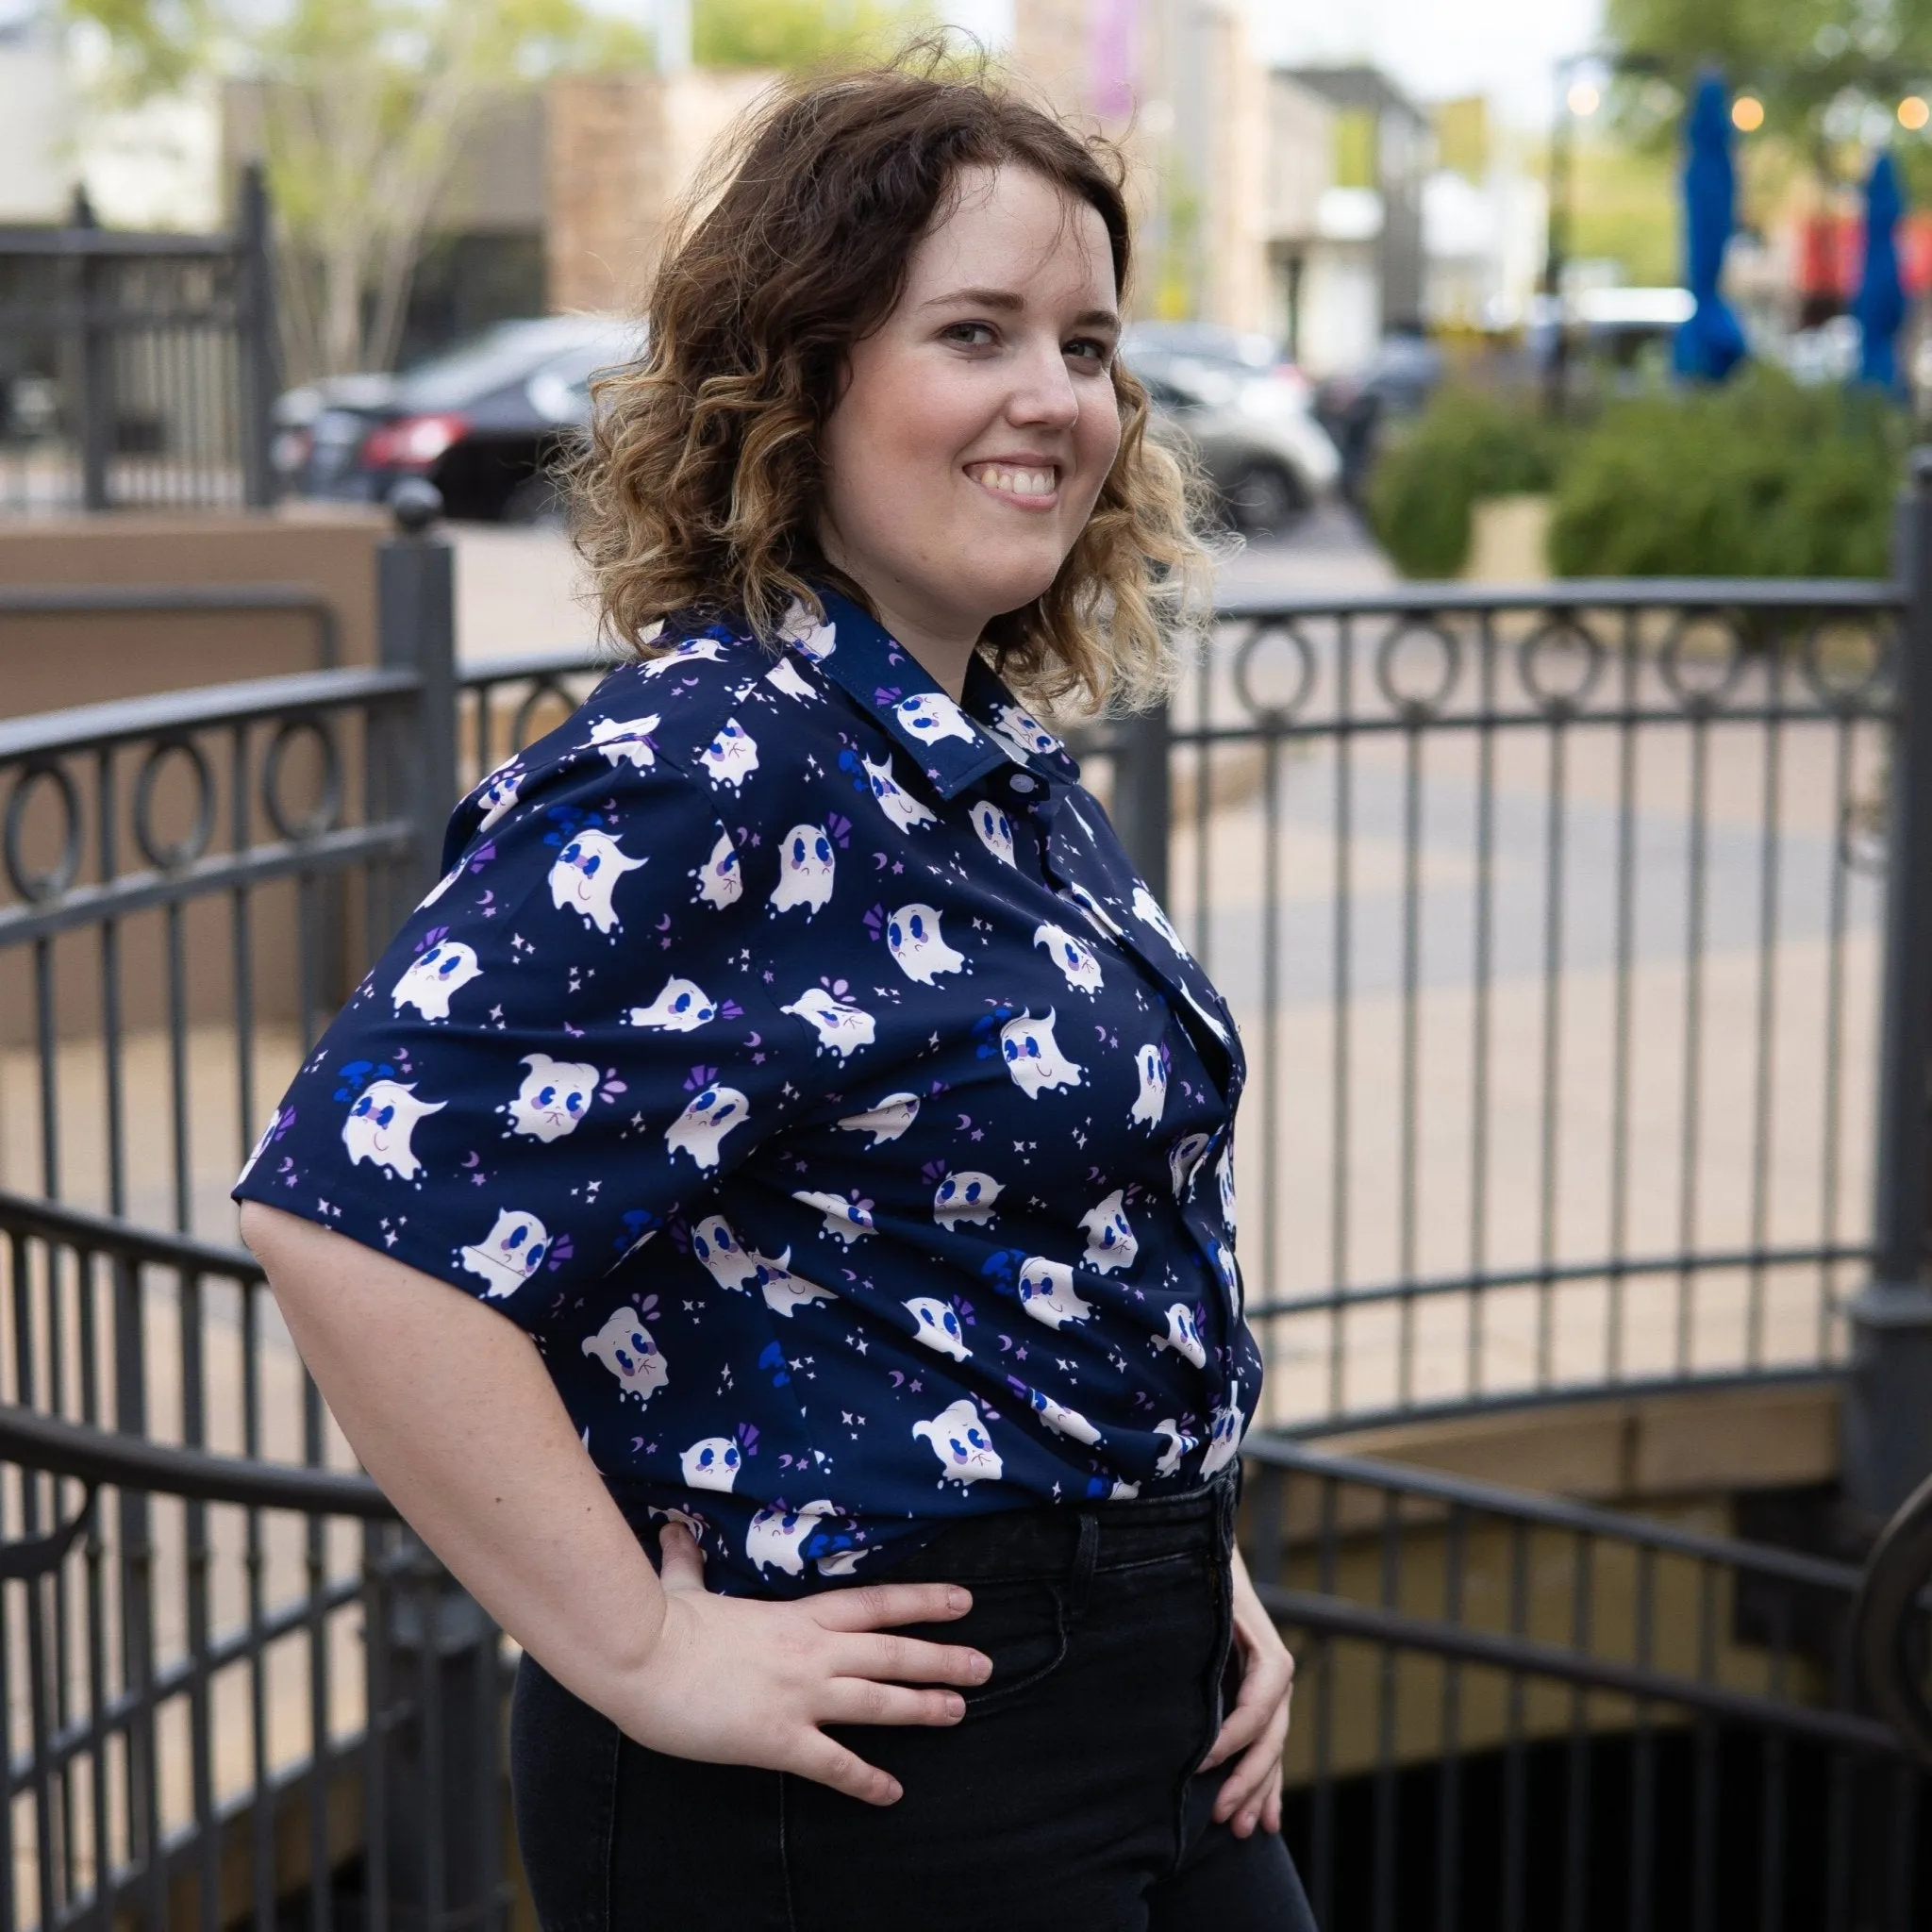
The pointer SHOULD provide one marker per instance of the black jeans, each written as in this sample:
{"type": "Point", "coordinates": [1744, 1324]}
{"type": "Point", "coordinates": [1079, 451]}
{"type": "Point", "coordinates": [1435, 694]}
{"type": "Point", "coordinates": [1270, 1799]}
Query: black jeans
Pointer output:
{"type": "Point", "coordinates": [1067, 1800]}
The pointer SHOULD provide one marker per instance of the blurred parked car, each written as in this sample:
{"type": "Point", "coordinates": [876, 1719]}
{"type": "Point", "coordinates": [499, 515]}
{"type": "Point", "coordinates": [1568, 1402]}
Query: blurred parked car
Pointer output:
{"type": "Point", "coordinates": [484, 423]}
{"type": "Point", "coordinates": [1396, 381]}
{"type": "Point", "coordinates": [1229, 401]}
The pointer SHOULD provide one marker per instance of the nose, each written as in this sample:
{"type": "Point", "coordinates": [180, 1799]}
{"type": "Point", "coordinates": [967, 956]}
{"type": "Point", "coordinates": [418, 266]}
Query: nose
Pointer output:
{"type": "Point", "coordinates": [1043, 394]}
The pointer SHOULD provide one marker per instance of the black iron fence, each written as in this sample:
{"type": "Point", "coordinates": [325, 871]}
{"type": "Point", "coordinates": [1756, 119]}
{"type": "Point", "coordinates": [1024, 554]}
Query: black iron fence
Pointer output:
{"type": "Point", "coordinates": [138, 370]}
{"type": "Point", "coordinates": [1556, 925]}
{"type": "Point", "coordinates": [1513, 1712]}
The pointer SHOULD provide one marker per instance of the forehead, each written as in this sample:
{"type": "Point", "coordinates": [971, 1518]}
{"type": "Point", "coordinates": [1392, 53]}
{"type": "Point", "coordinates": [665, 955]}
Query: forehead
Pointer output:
{"type": "Point", "coordinates": [1009, 228]}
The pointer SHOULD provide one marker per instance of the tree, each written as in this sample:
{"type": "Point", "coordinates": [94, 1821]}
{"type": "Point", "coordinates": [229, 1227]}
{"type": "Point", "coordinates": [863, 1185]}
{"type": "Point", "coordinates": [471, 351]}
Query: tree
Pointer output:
{"type": "Point", "coordinates": [363, 105]}
{"type": "Point", "coordinates": [797, 33]}
{"type": "Point", "coordinates": [1816, 64]}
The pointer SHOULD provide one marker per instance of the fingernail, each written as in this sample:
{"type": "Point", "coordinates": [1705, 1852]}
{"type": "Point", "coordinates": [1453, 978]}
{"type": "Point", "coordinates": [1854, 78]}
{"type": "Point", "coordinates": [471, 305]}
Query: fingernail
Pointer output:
{"type": "Point", "coordinates": [958, 1600]}
{"type": "Point", "coordinates": [982, 1668]}
{"type": "Point", "coordinates": [955, 1706]}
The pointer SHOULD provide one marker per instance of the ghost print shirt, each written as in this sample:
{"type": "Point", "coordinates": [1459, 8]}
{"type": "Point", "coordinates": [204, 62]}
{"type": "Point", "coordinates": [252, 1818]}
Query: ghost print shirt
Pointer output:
{"type": "Point", "coordinates": [795, 1054]}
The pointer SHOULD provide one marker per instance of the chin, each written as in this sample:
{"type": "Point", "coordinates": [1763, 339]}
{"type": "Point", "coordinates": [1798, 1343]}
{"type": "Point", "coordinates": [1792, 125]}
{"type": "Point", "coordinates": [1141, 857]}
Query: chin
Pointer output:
{"type": "Point", "coordinates": [999, 584]}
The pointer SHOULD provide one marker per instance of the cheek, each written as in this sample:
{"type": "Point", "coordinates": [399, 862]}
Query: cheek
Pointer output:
{"type": "Point", "coordinates": [1097, 441]}
{"type": "Point", "coordinates": [898, 433]}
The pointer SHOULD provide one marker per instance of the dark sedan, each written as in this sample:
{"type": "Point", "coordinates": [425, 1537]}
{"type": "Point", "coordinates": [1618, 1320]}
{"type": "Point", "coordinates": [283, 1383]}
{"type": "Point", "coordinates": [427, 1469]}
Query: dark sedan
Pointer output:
{"type": "Point", "coordinates": [485, 422]}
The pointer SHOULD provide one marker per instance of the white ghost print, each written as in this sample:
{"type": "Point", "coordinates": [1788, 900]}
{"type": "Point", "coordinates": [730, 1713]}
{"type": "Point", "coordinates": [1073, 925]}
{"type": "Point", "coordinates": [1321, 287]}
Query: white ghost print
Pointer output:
{"type": "Point", "coordinates": [1178, 1445]}
{"type": "Point", "coordinates": [1123, 1493]}
{"type": "Point", "coordinates": [812, 635]}
{"type": "Point", "coordinates": [1224, 1175]}
{"type": "Point", "coordinates": [842, 1027]}
{"type": "Point", "coordinates": [1214, 1025]}
{"type": "Point", "coordinates": [726, 1258]}
{"type": "Point", "coordinates": [1182, 1159]}
{"type": "Point", "coordinates": [996, 830]}
{"type": "Point", "coordinates": [938, 1326]}
{"type": "Point", "coordinates": [784, 1290]}
{"type": "Point", "coordinates": [1092, 910]}
{"type": "Point", "coordinates": [1073, 957]}
{"type": "Point", "coordinates": [1021, 733]}
{"type": "Point", "coordinates": [960, 1442]}
{"type": "Point", "coordinates": [896, 803]}
{"type": "Point", "coordinates": [711, 1464]}
{"type": "Point", "coordinates": [1225, 1439]}
{"type": "Point", "coordinates": [1182, 1336]}
{"type": "Point", "coordinates": [912, 937]}
{"type": "Point", "coordinates": [260, 1147]}
{"type": "Point", "coordinates": [682, 1007]}
{"type": "Point", "coordinates": [1062, 1420]}
{"type": "Point", "coordinates": [1147, 909]}
{"type": "Point", "coordinates": [624, 1346]}
{"type": "Point", "coordinates": [433, 975]}
{"type": "Point", "coordinates": [498, 791]}
{"type": "Point", "coordinates": [1033, 1056]}
{"type": "Point", "coordinates": [885, 1121]}
{"type": "Point", "coordinates": [510, 1254]}
{"type": "Point", "coordinates": [380, 1123]}
{"type": "Point", "coordinates": [783, 675]}
{"type": "Point", "coordinates": [931, 715]}
{"type": "Point", "coordinates": [967, 1195]}
{"type": "Point", "coordinates": [703, 1124]}
{"type": "Point", "coordinates": [720, 879]}
{"type": "Point", "coordinates": [804, 870]}
{"type": "Point", "coordinates": [777, 1538]}
{"type": "Point", "coordinates": [681, 655]}
{"type": "Point", "coordinates": [731, 756]}
{"type": "Point", "coordinates": [554, 1098]}
{"type": "Point", "coordinates": [1110, 1241]}
{"type": "Point", "coordinates": [440, 888]}
{"type": "Point", "coordinates": [623, 741]}
{"type": "Point", "coordinates": [1047, 1292]}
{"type": "Point", "coordinates": [845, 1219]}
{"type": "Point", "coordinates": [586, 875]}
{"type": "Point", "coordinates": [1151, 1103]}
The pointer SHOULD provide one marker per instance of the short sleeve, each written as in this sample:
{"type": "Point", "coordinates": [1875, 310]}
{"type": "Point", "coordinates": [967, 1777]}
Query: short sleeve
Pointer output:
{"type": "Point", "coordinates": [567, 1041]}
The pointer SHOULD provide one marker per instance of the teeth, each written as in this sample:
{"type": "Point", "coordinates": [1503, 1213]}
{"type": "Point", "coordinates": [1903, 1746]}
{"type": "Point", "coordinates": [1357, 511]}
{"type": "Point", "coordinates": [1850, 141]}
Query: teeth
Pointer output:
{"type": "Point", "coordinates": [1017, 482]}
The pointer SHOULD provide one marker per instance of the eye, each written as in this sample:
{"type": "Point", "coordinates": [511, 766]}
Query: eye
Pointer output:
{"type": "Point", "coordinates": [699, 1243]}
{"type": "Point", "coordinates": [894, 933]}
{"type": "Point", "coordinates": [433, 953]}
{"type": "Point", "coordinates": [731, 1459]}
{"type": "Point", "coordinates": [1089, 349]}
{"type": "Point", "coordinates": [571, 853]}
{"type": "Point", "coordinates": [386, 1115]}
{"type": "Point", "coordinates": [536, 1257]}
{"type": "Point", "coordinates": [969, 334]}
{"type": "Point", "coordinates": [825, 851]}
{"type": "Point", "coordinates": [574, 1104]}
{"type": "Point", "coordinates": [974, 1437]}
{"type": "Point", "coordinates": [546, 1096]}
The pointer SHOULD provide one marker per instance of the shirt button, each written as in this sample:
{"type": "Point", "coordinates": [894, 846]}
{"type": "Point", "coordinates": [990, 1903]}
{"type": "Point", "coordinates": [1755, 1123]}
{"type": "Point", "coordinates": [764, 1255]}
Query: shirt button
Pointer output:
{"type": "Point", "coordinates": [1020, 782]}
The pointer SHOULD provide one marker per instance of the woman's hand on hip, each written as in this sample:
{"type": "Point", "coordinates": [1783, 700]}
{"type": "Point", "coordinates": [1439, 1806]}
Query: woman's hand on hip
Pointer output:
{"type": "Point", "coordinates": [733, 1681]}
{"type": "Point", "coordinates": [1257, 1727]}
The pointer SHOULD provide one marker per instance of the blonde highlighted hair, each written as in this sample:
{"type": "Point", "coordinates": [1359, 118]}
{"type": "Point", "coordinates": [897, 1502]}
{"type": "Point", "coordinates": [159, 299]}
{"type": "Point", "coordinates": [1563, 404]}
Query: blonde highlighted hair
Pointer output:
{"type": "Point", "coordinates": [698, 487]}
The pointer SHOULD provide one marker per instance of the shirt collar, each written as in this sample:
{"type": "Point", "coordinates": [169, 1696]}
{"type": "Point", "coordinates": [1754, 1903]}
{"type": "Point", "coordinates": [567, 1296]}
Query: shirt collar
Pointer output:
{"type": "Point", "coordinates": [954, 744]}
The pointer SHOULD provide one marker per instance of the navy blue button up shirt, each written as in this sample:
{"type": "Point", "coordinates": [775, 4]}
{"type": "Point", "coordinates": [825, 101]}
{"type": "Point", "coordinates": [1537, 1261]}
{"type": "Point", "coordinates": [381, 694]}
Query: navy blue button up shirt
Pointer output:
{"type": "Point", "coordinates": [795, 1054]}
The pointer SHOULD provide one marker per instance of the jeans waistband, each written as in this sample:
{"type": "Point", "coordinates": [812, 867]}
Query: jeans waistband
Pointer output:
{"type": "Point", "coordinates": [1064, 1540]}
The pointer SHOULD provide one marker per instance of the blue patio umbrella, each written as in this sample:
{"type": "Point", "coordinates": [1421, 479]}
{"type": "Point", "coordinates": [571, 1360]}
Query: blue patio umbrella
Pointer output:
{"type": "Point", "coordinates": [1710, 345]}
{"type": "Point", "coordinates": [1880, 306]}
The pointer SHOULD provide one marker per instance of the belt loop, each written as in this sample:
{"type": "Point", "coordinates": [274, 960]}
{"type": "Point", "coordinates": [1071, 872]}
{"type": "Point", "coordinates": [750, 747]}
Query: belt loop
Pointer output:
{"type": "Point", "coordinates": [1086, 1552]}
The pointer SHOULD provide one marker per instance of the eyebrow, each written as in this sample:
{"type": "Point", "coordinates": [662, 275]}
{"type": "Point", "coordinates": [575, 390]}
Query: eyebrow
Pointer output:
{"type": "Point", "coordinates": [1010, 300]}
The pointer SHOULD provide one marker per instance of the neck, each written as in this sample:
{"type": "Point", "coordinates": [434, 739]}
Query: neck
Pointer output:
{"type": "Point", "coordinates": [940, 643]}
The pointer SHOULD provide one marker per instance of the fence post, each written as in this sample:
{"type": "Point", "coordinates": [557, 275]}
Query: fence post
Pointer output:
{"type": "Point", "coordinates": [415, 586]}
{"type": "Point", "coordinates": [1144, 793]}
{"type": "Point", "coordinates": [94, 277]}
{"type": "Point", "coordinates": [256, 350]}
{"type": "Point", "coordinates": [1887, 1429]}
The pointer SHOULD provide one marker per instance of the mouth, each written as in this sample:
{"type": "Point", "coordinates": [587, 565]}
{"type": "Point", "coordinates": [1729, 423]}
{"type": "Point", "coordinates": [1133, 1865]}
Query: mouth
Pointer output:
{"type": "Point", "coordinates": [1025, 485]}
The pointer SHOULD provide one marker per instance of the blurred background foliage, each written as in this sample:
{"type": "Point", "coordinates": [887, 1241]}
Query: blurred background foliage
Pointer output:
{"type": "Point", "coordinates": [794, 34]}
{"type": "Point", "coordinates": [1759, 477]}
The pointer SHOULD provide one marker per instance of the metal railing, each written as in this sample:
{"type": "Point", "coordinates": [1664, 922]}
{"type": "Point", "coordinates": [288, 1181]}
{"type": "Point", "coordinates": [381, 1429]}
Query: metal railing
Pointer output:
{"type": "Point", "coordinates": [138, 370]}
{"type": "Point", "coordinates": [1554, 924]}
{"type": "Point", "coordinates": [1515, 1712]}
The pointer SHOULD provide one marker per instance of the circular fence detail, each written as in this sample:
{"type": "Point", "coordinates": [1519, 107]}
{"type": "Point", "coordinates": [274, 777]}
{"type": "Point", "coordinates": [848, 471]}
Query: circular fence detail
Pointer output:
{"type": "Point", "coordinates": [38, 886]}
{"type": "Point", "coordinates": [1848, 659]}
{"type": "Point", "coordinates": [1418, 666]}
{"type": "Point", "coordinates": [328, 807]}
{"type": "Point", "coordinates": [520, 733]}
{"type": "Point", "coordinates": [1703, 658]}
{"type": "Point", "coordinates": [1273, 712]}
{"type": "Point", "coordinates": [174, 855]}
{"type": "Point", "coordinates": [1559, 664]}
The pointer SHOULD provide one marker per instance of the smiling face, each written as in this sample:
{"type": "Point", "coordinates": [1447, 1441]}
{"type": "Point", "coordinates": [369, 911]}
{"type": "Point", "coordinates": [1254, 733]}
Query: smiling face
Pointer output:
{"type": "Point", "coordinates": [978, 421]}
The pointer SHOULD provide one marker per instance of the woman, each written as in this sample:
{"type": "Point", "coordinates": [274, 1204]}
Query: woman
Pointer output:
{"type": "Point", "coordinates": [792, 1054]}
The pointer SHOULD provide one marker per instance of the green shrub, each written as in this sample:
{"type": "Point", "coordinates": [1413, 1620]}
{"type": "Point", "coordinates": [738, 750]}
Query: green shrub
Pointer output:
{"type": "Point", "coordinates": [1466, 444]}
{"type": "Point", "coordinates": [1759, 477]}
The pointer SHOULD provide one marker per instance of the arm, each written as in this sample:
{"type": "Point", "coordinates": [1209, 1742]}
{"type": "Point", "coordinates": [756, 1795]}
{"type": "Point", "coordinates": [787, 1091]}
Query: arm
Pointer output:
{"type": "Point", "coordinates": [450, 1408]}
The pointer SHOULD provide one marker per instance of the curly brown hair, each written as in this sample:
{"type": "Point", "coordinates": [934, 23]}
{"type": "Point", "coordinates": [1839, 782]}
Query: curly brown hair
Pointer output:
{"type": "Point", "coordinates": [698, 486]}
